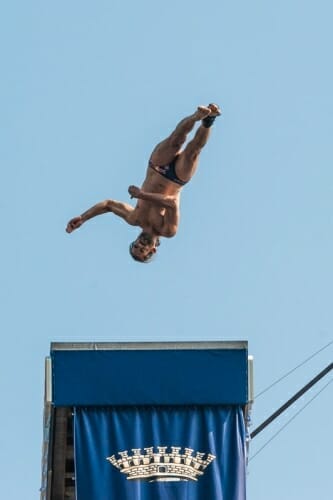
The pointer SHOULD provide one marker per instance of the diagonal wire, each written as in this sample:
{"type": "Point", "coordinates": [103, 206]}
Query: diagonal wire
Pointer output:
{"type": "Point", "coordinates": [291, 419]}
{"type": "Point", "coordinates": [293, 369]}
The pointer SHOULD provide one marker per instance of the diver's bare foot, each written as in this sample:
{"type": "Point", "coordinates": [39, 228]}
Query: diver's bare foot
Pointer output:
{"type": "Point", "coordinates": [202, 112]}
{"type": "Point", "coordinates": [214, 110]}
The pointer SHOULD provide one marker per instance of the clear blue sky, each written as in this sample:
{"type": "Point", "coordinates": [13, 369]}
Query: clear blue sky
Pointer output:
{"type": "Point", "coordinates": [87, 89]}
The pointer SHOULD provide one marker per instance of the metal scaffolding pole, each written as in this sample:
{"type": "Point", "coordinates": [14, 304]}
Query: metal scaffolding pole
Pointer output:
{"type": "Point", "coordinates": [292, 400]}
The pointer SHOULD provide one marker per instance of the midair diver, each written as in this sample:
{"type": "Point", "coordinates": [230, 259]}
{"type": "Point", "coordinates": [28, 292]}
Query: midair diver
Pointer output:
{"type": "Point", "coordinates": [170, 168]}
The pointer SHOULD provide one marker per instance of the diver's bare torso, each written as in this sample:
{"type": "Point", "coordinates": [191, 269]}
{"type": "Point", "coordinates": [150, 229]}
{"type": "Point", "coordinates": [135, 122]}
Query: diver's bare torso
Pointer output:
{"type": "Point", "coordinates": [152, 217]}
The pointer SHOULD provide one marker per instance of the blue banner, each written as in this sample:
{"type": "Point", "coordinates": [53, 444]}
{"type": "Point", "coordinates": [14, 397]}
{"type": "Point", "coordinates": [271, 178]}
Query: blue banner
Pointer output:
{"type": "Point", "coordinates": [167, 453]}
{"type": "Point", "coordinates": [82, 378]}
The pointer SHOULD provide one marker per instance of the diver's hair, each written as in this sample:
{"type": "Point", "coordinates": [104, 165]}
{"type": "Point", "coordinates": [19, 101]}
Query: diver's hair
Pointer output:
{"type": "Point", "coordinates": [148, 257]}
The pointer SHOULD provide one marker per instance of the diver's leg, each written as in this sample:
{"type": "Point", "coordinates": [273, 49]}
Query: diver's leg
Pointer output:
{"type": "Point", "coordinates": [187, 161]}
{"type": "Point", "coordinates": [165, 151]}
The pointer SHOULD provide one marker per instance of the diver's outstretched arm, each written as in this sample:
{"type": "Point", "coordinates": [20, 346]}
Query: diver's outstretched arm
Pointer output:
{"type": "Point", "coordinates": [123, 210]}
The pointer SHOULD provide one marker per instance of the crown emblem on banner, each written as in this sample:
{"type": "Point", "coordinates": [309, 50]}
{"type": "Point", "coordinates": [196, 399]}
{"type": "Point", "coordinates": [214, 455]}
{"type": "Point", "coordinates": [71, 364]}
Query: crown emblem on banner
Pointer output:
{"type": "Point", "coordinates": [179, 464]}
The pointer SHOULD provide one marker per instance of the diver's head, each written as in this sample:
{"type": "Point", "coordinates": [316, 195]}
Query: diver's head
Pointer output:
{"type": "Point", "coordinates": [144, 247]}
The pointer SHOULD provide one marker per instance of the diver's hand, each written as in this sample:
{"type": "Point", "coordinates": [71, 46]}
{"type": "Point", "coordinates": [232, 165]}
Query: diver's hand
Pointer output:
{"type": "Point", "coordinates": [74, 223]}
{"type": "Point", "coordinates": [134, 191]}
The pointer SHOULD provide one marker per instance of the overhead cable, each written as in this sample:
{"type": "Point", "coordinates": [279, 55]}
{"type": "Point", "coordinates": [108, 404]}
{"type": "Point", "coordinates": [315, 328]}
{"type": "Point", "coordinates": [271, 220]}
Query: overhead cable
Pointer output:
{"type": "Point", "coordinates": [293, 370]}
